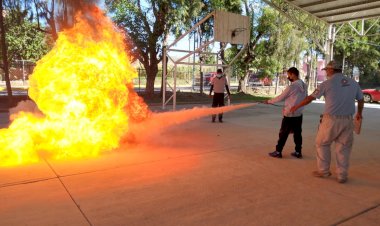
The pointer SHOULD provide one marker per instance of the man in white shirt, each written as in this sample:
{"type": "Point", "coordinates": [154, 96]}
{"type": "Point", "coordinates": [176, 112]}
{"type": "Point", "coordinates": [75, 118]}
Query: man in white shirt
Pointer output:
{"type": "Point", "coordinates": [336, 125]}
{"type": "Point", "coordinates": [291, 121]}
{"type": "Point", "coordinates": [218, 84]}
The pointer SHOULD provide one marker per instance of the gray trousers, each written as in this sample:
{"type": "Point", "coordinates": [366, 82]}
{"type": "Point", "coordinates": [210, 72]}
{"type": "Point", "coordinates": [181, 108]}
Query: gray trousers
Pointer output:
{"type": "Point", "coordinates": [338, 129]}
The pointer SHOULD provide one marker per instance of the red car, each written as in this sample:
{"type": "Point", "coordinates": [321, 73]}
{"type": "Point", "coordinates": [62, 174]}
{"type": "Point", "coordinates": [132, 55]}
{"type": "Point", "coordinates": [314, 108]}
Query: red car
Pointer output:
{"type": "Point", "coordinates": [207, 78]}
{"type": "Point", "coordinates": [371, 95]}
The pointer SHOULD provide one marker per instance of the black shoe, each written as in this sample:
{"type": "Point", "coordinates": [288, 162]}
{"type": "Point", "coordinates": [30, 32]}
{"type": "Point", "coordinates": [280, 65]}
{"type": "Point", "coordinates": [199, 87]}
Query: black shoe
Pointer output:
{"type": "Point", "coordinates": [297, 154]}
{"type": "Point", "coordinates": [275, 154]}
{"type": "Point", "coordinates": [220, 120]}
{"type": "Point", "coordinates": [320, 174]}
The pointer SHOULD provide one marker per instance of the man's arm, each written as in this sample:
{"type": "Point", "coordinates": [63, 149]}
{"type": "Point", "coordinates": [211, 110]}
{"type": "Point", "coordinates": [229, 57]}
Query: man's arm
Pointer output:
{"type": "Point", "coordinates": [211, 88]}
{"type": "Point", "coordinates": [304, 102]}
{"type": "Point", "coordinates": [228, 90]}
{"type": "Point", "coordinates": [280, 97]}
{"type": "Point", "coordinates": [359, 114]}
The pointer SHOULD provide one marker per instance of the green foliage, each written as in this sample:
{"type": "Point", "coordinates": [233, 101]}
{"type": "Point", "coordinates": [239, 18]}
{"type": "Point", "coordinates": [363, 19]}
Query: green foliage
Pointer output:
{"type": "Point", "coordinates": [148, 25]}
{"type": "Point", "coordinates": [275, 44]}
{"type": "Point", "coordinates": [362, 52]}
{"type": "Point", "coordinates": [25, 42]}
{"type": "Point", "coordinates": [23, 39]}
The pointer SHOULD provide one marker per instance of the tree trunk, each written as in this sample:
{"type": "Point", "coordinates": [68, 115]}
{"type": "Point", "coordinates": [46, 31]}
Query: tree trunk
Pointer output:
{"type": "Point", "coordinates": [151, 73]}
{"type": "Point", "coordinates": [4, 50]}
{"type": "Point", "coordinates": [243, 83]}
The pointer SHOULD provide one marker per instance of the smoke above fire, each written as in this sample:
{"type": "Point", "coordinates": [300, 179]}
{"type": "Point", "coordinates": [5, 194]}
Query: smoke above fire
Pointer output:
{"type": "Point", "coordinates": [85, 104]}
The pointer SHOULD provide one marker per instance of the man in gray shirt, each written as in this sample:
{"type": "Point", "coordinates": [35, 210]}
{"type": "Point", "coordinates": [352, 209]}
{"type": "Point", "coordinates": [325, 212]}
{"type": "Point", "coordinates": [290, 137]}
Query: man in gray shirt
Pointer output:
{"type": "Point", "coordinates": [292, 121]}
{"type": "Point", "coordinates": [336, 125]}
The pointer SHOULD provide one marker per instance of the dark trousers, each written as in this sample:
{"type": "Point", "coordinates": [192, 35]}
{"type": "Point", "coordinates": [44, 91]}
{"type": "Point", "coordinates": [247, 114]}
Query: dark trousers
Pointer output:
{"type": "Point", "coordinates": [290, 124]}
{"type": "Point", "coordinates": [218, 101]}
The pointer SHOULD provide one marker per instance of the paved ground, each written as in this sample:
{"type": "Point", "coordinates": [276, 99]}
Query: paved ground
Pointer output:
{"type": "Point", "coordinates": [201, 173]}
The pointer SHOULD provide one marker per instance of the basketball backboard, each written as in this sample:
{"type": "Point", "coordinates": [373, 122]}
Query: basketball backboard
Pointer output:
{"type": "Point", "coordinates": [231, 28]}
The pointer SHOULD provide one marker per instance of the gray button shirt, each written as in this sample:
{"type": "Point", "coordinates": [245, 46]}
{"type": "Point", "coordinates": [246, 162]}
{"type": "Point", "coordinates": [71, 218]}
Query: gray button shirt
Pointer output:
{"type": "Point", "coordinates": [340, 93]}
{"type": "Point", "coordinates": [293, 95]}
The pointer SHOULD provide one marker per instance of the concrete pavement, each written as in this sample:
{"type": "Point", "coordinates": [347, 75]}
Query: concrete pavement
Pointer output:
{"type": "Point", "coordinates": [201, 173]}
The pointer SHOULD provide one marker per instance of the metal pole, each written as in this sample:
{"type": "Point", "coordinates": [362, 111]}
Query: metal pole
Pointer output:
{"type": "Point", "coordinates": [276, 87]}
{"type": "Point", "coordinates": [23, 72]}
{"type": "Point", "coordinates": [139, 80]}
{"type": "Point", "coordinates": [329, 43]}
{"type": "Point", "coordinates": [332, 42]}
{"type": "Point", "coordinates": [175, 88]}
{"type": "Point", "coordinates": [316, 78]}
{"type": "Point", "coordinates": [195, 41]}
{"type": "Point", "coordinates": [164, 78]}
{"type": "Point", "coordinates": [188, 68]}
{"type": "Point", "coordinates": [201, 62]}
{"type": "Point", "coordinates": [193, 28]}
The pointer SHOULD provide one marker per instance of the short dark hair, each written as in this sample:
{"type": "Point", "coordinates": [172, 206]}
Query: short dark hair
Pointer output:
{"type": "Point", "coordinates": [219, 71]}
{"type": "Point", "coordinates": [294, 71]}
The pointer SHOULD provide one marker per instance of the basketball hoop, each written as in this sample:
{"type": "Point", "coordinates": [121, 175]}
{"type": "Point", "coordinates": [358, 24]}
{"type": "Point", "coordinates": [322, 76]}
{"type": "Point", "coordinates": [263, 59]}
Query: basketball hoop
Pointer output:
{"type": "Point", "coordinates": [236, 31]}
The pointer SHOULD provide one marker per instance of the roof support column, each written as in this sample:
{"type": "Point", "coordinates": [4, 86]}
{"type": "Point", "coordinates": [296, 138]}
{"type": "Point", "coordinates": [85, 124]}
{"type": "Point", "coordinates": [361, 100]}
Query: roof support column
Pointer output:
{"type": "Point", "coordinates": [330, 39]}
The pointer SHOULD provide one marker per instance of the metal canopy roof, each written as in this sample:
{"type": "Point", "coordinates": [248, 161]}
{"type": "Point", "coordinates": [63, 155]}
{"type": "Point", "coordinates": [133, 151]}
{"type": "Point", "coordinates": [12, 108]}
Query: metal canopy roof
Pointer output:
{"type": "Point", "coordinates": [339, 11]}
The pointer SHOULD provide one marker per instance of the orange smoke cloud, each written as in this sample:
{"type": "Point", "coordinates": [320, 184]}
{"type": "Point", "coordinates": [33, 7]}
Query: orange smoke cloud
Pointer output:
{"type": "Point", "coordinates": [155, 124]}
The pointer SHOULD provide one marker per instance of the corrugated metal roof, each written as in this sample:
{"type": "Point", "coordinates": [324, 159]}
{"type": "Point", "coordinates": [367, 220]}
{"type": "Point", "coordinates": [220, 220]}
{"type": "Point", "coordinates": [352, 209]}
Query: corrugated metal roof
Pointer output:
{"type": "Point", "coordinates": [338, 11]}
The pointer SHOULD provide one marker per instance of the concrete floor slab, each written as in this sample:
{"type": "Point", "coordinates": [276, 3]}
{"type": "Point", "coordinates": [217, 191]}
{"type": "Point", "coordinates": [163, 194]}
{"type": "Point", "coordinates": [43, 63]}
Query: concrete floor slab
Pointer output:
{"type": "Point", "coordinates": [203, 173]}
{"type": "Point", "coordinates": [369, 218]}
{"type": "Point", "coordinates": [25, 174]}
{"type": "Point", "coordinates": [42, 203]}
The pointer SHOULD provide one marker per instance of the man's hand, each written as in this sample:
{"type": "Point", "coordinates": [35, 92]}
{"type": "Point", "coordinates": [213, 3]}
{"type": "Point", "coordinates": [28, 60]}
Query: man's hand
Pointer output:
{"type": "Point", "coordinates": [210, 95]}
{"type": "Point", "coordinates": [358, 116]}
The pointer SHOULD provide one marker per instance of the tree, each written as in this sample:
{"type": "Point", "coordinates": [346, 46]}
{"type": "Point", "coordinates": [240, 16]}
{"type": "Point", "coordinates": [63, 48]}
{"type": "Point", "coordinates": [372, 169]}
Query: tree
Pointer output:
{"type": "Point", "coordinates": [5, 54]}
{"type": "Point", "coordinates": [205, 31]}
{"type": "Point", "coordinates": [148, 24]}
{"type": "Point", "coordinates": [262, 26]}
{"type": "Point", "coordinates": [361, 52]}
{"type": "Point", "coordinates": [24, 41]}
{"type": "Point", "coordinates": [275, 43]}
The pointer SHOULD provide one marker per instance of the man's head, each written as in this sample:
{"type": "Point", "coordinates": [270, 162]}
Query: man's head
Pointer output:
{"type": "Point", "coordinates": [219, 73]}
{"type": "Point", "coordinates": [293, 74]}
{"type": "Point", "coordinates": [333, 67]}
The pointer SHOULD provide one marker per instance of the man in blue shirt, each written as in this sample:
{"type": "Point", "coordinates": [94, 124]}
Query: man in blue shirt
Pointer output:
{"type": "Point", "coordinates": [336, 125]}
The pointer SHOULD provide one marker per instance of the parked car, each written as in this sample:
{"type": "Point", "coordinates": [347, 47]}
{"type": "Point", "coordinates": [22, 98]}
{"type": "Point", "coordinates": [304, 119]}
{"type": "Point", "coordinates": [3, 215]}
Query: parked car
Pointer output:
{"type": "Point", "coordinates": [254, 80]}
{"type": "Point", "coordinates": [206, 79]}
{"type": "Point", "coordinates": [371, 95]}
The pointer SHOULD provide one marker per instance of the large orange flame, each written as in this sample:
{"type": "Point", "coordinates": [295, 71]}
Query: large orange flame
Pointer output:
{"type": "Point", "coordinates": [83, 89]}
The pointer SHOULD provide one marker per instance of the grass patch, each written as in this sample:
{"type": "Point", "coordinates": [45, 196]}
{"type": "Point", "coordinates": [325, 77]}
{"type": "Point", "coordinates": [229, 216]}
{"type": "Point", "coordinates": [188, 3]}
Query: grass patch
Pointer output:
{"type": "Point", "coordinates": [3, 88]}
{"type": "Point", "coordinates": [189, 98]}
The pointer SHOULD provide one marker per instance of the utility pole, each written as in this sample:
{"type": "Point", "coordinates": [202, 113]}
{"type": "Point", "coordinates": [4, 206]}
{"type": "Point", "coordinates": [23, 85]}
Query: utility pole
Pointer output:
{"type": "Point", "coordinates": [4, 51]}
